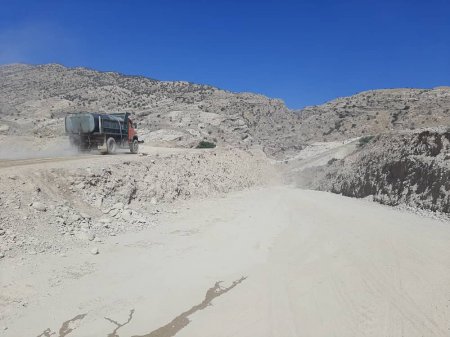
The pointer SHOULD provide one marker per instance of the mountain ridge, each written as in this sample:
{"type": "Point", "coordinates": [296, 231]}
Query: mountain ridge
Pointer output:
{"type": "Point", "coordinates": [34, 98]}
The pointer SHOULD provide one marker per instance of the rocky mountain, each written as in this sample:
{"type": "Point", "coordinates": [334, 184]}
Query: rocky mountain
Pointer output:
{"type": "Point", "coordinates": [372, 112]}
{"type": "Point", "coordinates": [35, 99]}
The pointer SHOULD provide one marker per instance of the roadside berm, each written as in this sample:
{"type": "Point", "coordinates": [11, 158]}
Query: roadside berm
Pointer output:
{"type": "Point", "coordinates": [51, 205]}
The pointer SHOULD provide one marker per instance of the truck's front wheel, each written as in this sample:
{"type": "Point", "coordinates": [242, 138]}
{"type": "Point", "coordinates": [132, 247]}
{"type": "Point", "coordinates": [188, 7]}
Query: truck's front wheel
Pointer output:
{"type": "Point", "coordinates": [134, 146]}
{"type": "Point", "coordinates": [111, 145]}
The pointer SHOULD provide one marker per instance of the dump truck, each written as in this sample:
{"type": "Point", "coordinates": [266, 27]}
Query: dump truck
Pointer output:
{"type": "Point", "coordinates": [105, 132]}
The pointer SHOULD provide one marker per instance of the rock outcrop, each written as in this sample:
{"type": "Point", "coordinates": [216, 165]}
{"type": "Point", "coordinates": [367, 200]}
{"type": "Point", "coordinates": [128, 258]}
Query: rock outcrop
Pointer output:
{"type": "Point", "coordinates": [376, 111]}
{"type": "Point", "coordinates": [411, 168]}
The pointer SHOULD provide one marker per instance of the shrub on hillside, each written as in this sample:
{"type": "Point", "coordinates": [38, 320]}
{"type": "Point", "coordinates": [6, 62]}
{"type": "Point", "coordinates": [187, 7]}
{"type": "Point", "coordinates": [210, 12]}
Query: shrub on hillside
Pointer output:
{"type": "Point", "coordinates": [364, 140]}
{"type": "Point", "coordinates": [206, 145]}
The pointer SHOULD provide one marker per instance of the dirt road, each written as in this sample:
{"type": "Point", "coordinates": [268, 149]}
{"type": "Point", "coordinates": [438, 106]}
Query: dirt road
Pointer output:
{"type": "Point", "coordinates": [82, 158]}
{"type": "Point", "coordinates": [272, 261]}
{"type": "Point", "coordinates": [24, 162]}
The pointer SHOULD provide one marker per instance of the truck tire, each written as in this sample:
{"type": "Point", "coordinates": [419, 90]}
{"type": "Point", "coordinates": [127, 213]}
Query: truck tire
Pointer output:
{"type": "Point", "coordinates": [134, 146]}
{"type": "Point", "coordinates": [110, 145]}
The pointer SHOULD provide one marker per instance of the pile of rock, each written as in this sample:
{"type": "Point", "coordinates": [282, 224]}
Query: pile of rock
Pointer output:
{"type": "Point", "coordinates": [119, 211]}
{"type": "Point", "coordinates": [69, 221]}
{"type": "Point", "coordinates": [153, 180]}
{"type": "Point", "coordinates": [54, 209]}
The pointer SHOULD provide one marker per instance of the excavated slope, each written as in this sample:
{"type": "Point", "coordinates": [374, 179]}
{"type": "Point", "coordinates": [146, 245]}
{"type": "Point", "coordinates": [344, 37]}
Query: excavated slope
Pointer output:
{"type": "Point", "coordinates": [411, 168]}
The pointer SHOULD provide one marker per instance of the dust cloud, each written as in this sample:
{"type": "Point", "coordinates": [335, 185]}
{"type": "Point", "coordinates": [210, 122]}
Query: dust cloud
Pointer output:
{"type": "Point", "coordinates": [24, 149]}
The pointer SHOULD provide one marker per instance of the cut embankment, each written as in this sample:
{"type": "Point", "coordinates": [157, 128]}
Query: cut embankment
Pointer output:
{"type": "Point", "coordinates": [406, 168]}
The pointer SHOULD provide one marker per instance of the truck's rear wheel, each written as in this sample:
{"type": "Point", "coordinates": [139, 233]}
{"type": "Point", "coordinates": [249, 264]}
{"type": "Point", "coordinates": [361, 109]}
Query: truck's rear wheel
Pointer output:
{"type": "Point", "coordinates": [111, 145]}
{"type": "Point", "coordinates": [134, 146]}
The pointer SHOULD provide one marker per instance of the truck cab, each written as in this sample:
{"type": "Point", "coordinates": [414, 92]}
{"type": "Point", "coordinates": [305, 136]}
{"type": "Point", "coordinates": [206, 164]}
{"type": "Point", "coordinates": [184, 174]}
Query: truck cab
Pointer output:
{"type": "Point", "coordinates": [133, 140]}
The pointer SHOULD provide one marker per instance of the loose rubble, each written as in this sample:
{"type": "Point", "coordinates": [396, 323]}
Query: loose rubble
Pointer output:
{"type": "Point", "coordinates": [79, 206]}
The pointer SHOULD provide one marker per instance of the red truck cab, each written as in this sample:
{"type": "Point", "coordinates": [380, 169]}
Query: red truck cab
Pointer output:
{"type": "Point", "coordinates": [132, 137]}
{"type": "Point", "coordinates": [131, 130]}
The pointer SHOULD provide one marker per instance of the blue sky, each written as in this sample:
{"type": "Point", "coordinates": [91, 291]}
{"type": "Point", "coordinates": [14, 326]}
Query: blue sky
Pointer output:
{"type": "Point", "coordinates": [304, 52]}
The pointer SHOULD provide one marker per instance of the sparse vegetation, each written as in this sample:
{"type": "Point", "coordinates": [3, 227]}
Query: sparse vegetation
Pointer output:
{"type": "Point", "coordinates": [364, 140]}
{"type": "Point", "coordinates": [331, 161]}
{"type": "Point", "coordinates": [205, 145]}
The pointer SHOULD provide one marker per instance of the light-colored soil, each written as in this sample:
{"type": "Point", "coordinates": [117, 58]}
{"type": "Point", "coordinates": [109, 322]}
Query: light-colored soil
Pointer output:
{"type": "Point", "coordinates": [292, 262]}
{"type": "Point", "coordinates": [53, 204]}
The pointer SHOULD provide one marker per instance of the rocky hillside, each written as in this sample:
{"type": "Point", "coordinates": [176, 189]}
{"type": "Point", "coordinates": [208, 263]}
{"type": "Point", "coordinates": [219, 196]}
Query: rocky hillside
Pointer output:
{"type": "Point", "coordinates": [373, 112]}
{"type": "Point", "coordinates": [34, 99]}
{"type": "Point", "coordinates": [411, 168]}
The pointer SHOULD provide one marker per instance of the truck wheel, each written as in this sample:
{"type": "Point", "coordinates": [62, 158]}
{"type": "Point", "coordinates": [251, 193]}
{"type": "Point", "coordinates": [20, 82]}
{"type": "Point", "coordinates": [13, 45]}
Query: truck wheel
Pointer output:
{"type": "Point", "coordinates": [134, 146]}
{"type": "Point", "coordinates": [111, 145]}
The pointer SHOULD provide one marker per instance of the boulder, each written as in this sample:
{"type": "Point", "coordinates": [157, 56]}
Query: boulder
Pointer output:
{"type": "Point", "coordinates": [39, 206]}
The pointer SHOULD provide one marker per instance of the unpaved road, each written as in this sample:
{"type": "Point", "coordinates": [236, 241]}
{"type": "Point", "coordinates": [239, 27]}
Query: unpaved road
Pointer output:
{"type": "Point", "coordinates": [292, 262]}
{"type": "Point", "coordinates": [46, 160]}
{"type": "Point", "coordinates": [84, 157]}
